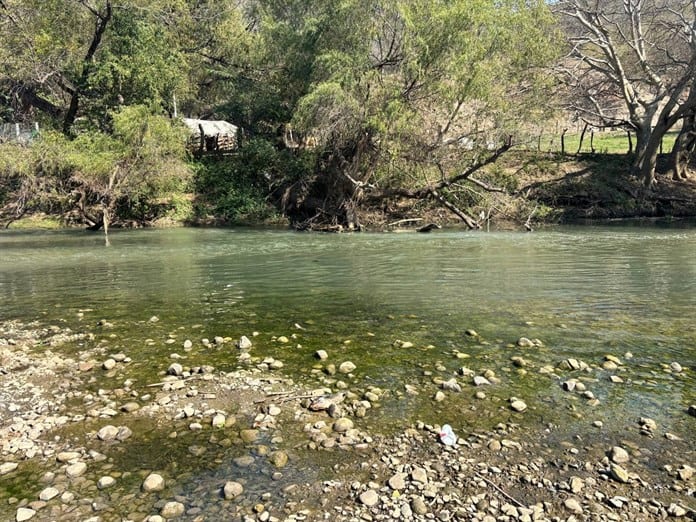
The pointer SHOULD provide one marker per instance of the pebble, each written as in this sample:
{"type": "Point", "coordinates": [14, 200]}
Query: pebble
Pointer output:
{"type": "Point", "coordinates": [676, 367]}
{"type": "Point", "coordinates": [172, 510]}
{"type": "Point", "coordinates": [419, 474]}
{"type": "Point", "coordinates": [244, 343]}
{"type": "Point", "coordinates": [618, 455]}
{"type": "Point", "coordinates": [48, 494]}
{"type": "Point", "coordinates": [218, 421]}
{"type": "Point", "coordinates": [321, 355]}
{"type": "Point", "coordinates": [8, 467]}
{"type": "Point", "coordinates": [342, 425]}
{"type": "Point", "coordinates": [153, 482]}
{"type": "Point", "coordinates": [572, 504]}
{"type": "Point", "coordinates": [369, 498]}
{"type": "Point", "coordinates": [279, 459]}
{"type": "Point", "coordinates": [24, 514]}
{"type": "Point", "coordinates": [518, 405]}
{"type": "Point", "coordinates": [109, 364]}
{"type": "Point", "coordinates": [106, 482]}
{"type": "Point", "coordinates": [347, 367]}
{"type": "Point", "coordinates": [419, 506]}
{"type": "Point", "coordinates": [76, 470]}
{"type": "Point", "coordinates": [107, 433]}
{"type": "Point", "coordinates": [618, 473]}
{"type": "Point", "coordinates": [232, 490]}
{"type": "Point", "coordinates": [397, 482]}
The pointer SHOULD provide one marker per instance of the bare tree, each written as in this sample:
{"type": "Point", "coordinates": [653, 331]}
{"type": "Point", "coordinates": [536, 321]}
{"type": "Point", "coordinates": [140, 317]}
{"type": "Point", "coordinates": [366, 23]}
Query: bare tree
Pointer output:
{"type": "Point", "coordinates": [631, 64]}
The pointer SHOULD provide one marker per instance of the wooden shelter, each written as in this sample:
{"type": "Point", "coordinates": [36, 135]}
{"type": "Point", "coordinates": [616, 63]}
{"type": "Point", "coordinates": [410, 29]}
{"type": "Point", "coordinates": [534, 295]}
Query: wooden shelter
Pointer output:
{"type": "Point", "coordinates": [212, 136]}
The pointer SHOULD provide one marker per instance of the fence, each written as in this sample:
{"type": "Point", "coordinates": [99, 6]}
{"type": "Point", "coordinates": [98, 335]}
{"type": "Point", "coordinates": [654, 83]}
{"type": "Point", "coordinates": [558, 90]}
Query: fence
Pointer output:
{"type": "Point", "coordinates": [19, 132]}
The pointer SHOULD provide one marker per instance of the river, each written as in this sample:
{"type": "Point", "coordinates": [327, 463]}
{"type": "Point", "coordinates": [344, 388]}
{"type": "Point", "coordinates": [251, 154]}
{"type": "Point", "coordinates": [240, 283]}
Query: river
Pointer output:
{"type": "Point", "coordinates": [584, 291]}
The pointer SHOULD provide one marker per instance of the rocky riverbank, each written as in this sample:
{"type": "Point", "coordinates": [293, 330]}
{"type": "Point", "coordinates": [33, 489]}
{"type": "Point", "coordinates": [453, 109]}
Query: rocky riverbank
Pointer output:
{"type": "Point", "coordinates": [81, 440]}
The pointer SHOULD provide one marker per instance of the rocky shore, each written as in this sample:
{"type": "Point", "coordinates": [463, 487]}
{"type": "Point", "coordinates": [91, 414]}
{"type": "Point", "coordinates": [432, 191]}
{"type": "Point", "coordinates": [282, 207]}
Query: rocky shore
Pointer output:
{"type": "Point", "coordinates": [80, 440]}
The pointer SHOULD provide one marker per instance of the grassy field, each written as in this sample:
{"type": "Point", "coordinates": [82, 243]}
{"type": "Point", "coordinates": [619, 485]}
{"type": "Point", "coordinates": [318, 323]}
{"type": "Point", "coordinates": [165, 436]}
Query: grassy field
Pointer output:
{"type": "Point", "coordinates": [607, 142]}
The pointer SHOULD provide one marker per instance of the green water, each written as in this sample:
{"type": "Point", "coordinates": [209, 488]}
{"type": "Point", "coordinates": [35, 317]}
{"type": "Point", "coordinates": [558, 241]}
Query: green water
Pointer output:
{"type": "Point", "coordinates": [583, 291]}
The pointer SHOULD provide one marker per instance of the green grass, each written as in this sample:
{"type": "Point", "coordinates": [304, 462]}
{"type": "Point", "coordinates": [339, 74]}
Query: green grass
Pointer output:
{"type": "Point", "coordinates": [609, 142]}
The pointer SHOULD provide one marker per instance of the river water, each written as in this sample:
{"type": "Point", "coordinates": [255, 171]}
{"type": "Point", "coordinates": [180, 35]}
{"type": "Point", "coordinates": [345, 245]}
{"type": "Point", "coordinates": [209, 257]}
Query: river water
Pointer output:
{"type": "Point", "coordinates": [585, 292]}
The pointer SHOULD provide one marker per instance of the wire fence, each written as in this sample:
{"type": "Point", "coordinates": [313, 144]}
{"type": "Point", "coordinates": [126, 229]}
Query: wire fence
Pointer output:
{"type": "Point", "coordinates": [18, 132]}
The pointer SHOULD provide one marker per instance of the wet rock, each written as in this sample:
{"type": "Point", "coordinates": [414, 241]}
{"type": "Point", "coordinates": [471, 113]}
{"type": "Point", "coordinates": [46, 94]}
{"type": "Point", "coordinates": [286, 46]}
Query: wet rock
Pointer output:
{"type": "Point", "coordinates": [106, 482]}
{"type": "Point", "coordinates": [369, 498]}
{"type": "Point", "coordinates": [153, 482]}
{"type": "Point", "coordinates": [244, 461]}
{"type": "Point", "coordinates": [109, 364]}
{"type": "Point", "coordinates": [618, 455]}
{"type": "Point", "coordinates": [692, 410]}
{"type": "Point", "coordinates": [107, 433]}
{"type": "Point", "coordinates": [283, 340]}
{"type": "Point", "coordinates": [244, 343]}
{"type": "Point", "coordinates": [67, 456]}
{"type": "Point", "coordinates": [524, 342]}
{"type": "Point", "coordinates": [618, 473]}
{"type": "Point", "coordinates": [347, 367]}
{"type": "Point", "coordinates": [23, 514]}
{"type": "Point", "coordinates": [451, 385]}
{"type": "Point", "coordinates": [76, 470]}
{"type": "Point", "coordinates": [218, 421]}
{"type": "Point", "coordinates": [676, 367]}
{"type": "Point", "coordinates": [321, 355]}
{"type": "Point", "coordinates": [342, 425]}
{"type": "Point", "coordinates": [232, 490]}
{"type": "Point", "coordinates": [279, 459]}
{"type": "Point", "coordinates": [124, 432]}
{"type": "Point", "coordinates": [172, 510]}
{"type": "Point", "coordinates": [518, 405]}
{"type": "Point", "coordinates": [249, 436]}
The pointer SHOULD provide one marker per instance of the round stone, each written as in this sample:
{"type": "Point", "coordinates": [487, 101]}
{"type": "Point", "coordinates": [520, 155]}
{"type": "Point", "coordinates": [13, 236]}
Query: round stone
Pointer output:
{"type": "Point", "coordinates": [109, 364]}
{"type": "Point", "coordinates": [48, 494]}
{"type": "Point", "coordinates": [618, 455]}
{"type": "Point", "coordinates": [153, 482]}
{"type": "Point", "coordinates": [342, 425]}
{"type": "Point", "coordinates": [279, 459]}
{"type": "Point", "coordinates": [172, 510]}
{"type": "Point", "coordinates": [107, 433]}
{"type": "Point", "coordinates": [369, 498]}
{"type": "Point", "coordinates": [518, 405]}
{"type": "Point", "coordinates": [232, 490]}
{"type": "Point", "coordinates": [106, 482]}
{"type": "Point", "coordinates": [347, 367]}
{"type": "Point", "coordinates": [76, 470]}
{"type": "Point", "coordinates": [24, 514]}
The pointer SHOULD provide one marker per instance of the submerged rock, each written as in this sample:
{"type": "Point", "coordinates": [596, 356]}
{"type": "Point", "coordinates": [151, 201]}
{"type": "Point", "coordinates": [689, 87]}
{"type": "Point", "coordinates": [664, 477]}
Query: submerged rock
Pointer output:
{"type": "Point", "coordinates": [232, 490]}
{"type": "Point", "coordinates": [153, 482]}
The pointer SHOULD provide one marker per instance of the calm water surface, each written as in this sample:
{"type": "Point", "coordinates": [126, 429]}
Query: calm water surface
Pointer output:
{"type": "Point", "coordinates": [584, 291]}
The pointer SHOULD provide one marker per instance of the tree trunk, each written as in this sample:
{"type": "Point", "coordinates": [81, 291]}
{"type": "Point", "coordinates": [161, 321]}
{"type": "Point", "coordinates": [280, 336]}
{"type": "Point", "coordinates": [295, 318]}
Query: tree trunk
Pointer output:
{"type": "Point", "coordinates": [648, 160]}
{"type": "Point", "coordinates": [99, 28]}
{"type": "Point", "coordinates": [684, 148]}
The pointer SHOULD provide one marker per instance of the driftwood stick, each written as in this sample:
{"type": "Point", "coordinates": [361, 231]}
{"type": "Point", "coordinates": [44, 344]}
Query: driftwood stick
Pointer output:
{"type": "Point", "coordinates": [499, 490]}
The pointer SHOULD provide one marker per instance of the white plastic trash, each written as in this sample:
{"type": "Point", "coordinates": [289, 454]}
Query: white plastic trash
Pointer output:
{"type": "Point", "coordinates": [447, 436]}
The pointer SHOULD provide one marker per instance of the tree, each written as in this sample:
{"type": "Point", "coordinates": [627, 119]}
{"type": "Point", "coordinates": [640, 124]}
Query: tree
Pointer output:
{"type": "Point", "coordinates": [410, 99]}
{"type": "Point", "coordinates": [631, 64]}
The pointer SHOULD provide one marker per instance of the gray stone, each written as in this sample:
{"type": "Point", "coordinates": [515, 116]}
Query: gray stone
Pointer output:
{"type": "Point", "coordinates": [398, 481]}
{"type": "Point", "coordinates": [8, 467]}
{"type": "Point", "coordinates": [572, 504]}
{"type": "Point", "coordinates": [48, 494]}
{"type": "Point", "coordinates": [342, 425]}
{"type": "Point", "coordinates": [347, 367]}
{"type": "Point", "coordinates": [618, 455]}
{"type": "Point", "coordinates": [76, 470]}
{"type": "Point", "coordinates": [24, 514]}
{"type": "Point", "coordinates": [419, 507]}
{"type": "Point", "coordinates": [618, 473]}
{"type": "Point", "coordinates": [153, 482]}
{"type": "Point", "coordinates": [172, 510]}
{"type": "Point", "coordinates": [106, 482]}
{"type": "Point", "coordinates": [175, 369]}
{"type": "Point", "coordinates": [481, 381]}
{"type": "Point", "coordinates": [232, 490]}
{"type": "Point", "coordinates": [107, 433]}
{"type": "Point", "coordinates": [419, 474]}
{"type": "Point", "coordinates": [369, 498]}
{"type": "Point", "coordinates": [124, 432]}
{"type": "Point", "coordinates": [244, 343]}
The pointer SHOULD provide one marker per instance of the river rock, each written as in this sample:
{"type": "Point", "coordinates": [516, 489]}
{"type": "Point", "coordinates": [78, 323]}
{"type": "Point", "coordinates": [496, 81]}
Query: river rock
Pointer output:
{"type": "Point", "coordinates": [321, 355]}
{"type": "Point", "coordinates": [618, 473]}
{"type": "Point", "coordinates": [283, 340]}
{"type": "Point", "coordinates": [397, 482]}
{"type": "Point", "coordinates": [572, 504]}
{"type": "Point", "coordinates": [451, 385]}
{"type": "Point", "coordinates": [48, 494]}
{"type": "Point", "coordinates": [153, 482]}
{"type": "Point", "coordinates": [172, 510]}
{"type": "Point", "coordinates": [692, 410]}
{"type": "Point", "coordinates": [342, 425]}
{"type": "Point", "coordinates": [369, 498]}
{"type": "Point", "coordinates": [67, 456]}
{"type": "Point", "coordinates": [524, 342]}
{"type": "Point", "coordinates": [479, 380]}
{"type": "Point", "coordinates": [249, 436]}
{"type": "Point", "coordinates": [107, 433]}
{"type": "Point", "coordinates": [686, 472]}
{"type": "Point", "coordinates": [24, 514]}
{"type": "Point", "coordinates": [618, 455]}
{"type": "Point", "coordinates": [76, 470]}
{"type": "Point", "coordinates": [8, 467]}
{"type": "Point", "coordinates": [109, 364]}
{"type": "Point", "coordinates": [232, 490]}
{"type": "Point", "coordinates": [175, 369]}
{"type": "Point", "coordinates": [218, 421]}
{"type": "Point", "coordinates": [279, 459]}
{"type": "Point", "coordinates": [244, 343]}
{"type": "Point", "coordinates": [419, 506]}
{"type": "Point", "coordinates": [518, 405]}
{"type": "Point", "coordinates": [188, 344]}
{"type": "Point", "coordinates": [347, 367]}
{"type": "Point", "coordinates": [676, 511]}
{"type": "Point", "coordinates": [106, 482]}
{"type": "Point", "coordinates": [130, 407]}
{"type": "Point", "coordinates": [419, 474]}
{"type": "Point", "coordinates": [124, 432]}
{"type": "Point", "coordinates": [576, 485]}
{"type": "Point", "coordinates": [676, 367]}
